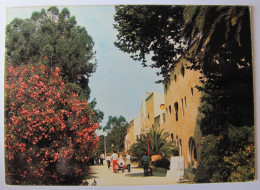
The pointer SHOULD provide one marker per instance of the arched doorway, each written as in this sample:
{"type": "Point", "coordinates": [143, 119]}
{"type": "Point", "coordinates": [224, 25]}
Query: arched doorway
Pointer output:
{"type": "Point", "coordinates": [192, 152]}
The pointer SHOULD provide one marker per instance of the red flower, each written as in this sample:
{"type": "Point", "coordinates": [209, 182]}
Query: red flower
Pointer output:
{"type": "Point", "coordinates": [44, 114]}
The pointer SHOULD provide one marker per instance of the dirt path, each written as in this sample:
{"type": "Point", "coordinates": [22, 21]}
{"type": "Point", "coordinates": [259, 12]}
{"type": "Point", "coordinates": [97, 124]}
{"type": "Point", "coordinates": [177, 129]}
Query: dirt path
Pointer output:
{"type": "Point", "coordinates": [106, 177]}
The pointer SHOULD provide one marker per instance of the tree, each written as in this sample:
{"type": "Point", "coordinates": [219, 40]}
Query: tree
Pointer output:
{"type": "Point", "coordinates": [158, 144]}
{"type": "Point", "coordinates": [114, 121]}
{"type": "Point", "coordinates": [55, 37]}
{"type": "Point", "coordinates": [222, 39]}
{"type": "Point", "coordinates": [49, 132]}
{"type": "Point", "coordinates": [224, 56]}
{"type": "Point", "coordinates": [98, 115]}
{"type": "Point", "coordinates": [116, 128]}
{"type": "Point", "coordinates": [156, 30]}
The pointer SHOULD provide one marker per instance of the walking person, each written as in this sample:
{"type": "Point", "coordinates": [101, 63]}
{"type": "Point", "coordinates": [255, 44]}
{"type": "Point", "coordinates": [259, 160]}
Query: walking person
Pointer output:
{"type": "Point", "coordinates": [145, 162]}
{"type": "Point", "coordinates": [121, 163]}
{"type": "Point", "coordinates": [128, 162]}
{"type": "Point", "coordinates": [114, 159]}
{"type": "Point", "coordinates": [108, 158]}
{"type": "Point", "coordinates": [102, 157]}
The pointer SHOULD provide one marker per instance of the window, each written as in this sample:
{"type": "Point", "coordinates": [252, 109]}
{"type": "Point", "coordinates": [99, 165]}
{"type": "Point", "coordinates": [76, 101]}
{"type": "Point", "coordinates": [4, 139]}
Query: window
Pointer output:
{"type": "Point", "coordinates": [170, 109]}
{"type": "Point", "coordinates": [172, 137]}
{"type": "Point", "coordinates": [182, 107]}
{"type": "Point", "coordinates": [185, 101]}
{"type": "Point", "coordinates": [182, 71]}
{"type": "Point", "coordinates": [176, 110]}
{"type": "Point", "coordinates": [175, 78]}
{"type": "Point", "coordinates": [137, 137]}
{"type": "Point", "coordinates": [191, 90]}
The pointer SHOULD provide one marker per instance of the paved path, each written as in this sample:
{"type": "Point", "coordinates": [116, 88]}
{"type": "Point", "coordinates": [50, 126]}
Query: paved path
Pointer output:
{"type": "Point", "coordinates": [106, 177]}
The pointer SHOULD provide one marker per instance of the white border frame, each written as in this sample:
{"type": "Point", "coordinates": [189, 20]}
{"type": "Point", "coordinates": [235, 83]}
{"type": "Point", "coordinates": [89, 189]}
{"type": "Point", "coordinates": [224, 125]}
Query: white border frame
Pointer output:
{"type": "Point", "coordinates": [255, 8]}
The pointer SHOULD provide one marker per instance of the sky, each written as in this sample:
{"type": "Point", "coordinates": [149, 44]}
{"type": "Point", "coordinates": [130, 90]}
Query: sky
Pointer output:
{"type": "Point", "coordinates": [119, 84]}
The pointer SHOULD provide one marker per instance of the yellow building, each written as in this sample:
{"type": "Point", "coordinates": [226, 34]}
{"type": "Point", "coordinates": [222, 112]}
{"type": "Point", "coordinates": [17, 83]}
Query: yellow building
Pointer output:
{"type": "Point", "coordinates": [180, 103]}
{"type": "Point", "coordinates": [151, 116]}
{"type": "Point", "coordinates": [182, 100]}
{"type": "Point", "coordinates": [133, 133]}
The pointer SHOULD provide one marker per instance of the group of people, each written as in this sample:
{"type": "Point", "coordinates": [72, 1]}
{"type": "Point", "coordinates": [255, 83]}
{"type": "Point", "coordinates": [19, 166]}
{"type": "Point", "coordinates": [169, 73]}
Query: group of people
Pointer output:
{"type": "Point", "coordinates": [114, 159]}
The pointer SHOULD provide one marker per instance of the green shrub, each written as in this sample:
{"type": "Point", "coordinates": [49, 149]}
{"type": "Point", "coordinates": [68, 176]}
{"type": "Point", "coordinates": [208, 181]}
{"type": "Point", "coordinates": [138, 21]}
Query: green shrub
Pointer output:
{"type": "Point", "coordinates": [242, 164]}
{"type": "Point", "coordinates": [163, 163]}
{"type": "Point", "coordinates": [210, 163]}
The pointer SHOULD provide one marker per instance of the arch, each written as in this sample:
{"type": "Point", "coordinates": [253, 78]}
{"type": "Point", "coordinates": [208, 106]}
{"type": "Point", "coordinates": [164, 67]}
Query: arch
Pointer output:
{"type": "Point", "coordinates": [192, 152]}
{"type": "Point", "coordinates": [176, 110]}
{"type": "Point", "coordinates": [172, 137]}
{"type": "Point", "coordinates": [182, 71]}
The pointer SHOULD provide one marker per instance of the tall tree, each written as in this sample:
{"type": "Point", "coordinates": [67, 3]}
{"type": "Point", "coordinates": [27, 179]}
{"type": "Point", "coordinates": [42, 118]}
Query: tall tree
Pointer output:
{"type": "Point", "coordinates": [116, 128]}
{"type": "Point", "coordinates": [156, 30]}
{"type": "Point", "coordinates": [224, 56]}
{"type": "Point", "coordinates": [55, 37]}
{"type": "Point", "coordinates": [158, 144]}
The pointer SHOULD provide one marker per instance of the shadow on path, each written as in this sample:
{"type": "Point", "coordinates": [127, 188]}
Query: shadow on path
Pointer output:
{"type": "Point", "coordinates": [141, 174]}
{"type": "Point", "coordinates": [91, 174]}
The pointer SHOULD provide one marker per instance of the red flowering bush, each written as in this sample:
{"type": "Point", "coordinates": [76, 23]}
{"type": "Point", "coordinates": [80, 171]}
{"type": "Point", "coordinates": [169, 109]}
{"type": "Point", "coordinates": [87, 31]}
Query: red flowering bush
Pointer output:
{"type": "Point", "coordinates": [49, 134]}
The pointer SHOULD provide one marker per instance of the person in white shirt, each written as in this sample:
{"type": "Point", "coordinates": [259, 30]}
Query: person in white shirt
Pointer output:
{"type": "Point", "coordinates": [121, 161]}
{"type": "Point", "coordinates": [128, 162]}
{"type": "Point", "coordinates": [108, 158]}
{"type": "Point", "coordinates": [114, 158]}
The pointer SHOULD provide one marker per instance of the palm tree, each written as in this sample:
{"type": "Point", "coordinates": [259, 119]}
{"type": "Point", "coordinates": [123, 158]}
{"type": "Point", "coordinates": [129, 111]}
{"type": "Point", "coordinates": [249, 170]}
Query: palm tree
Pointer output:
{"type": "Point", "coordinates": [157, 142]}
{"type": "Point", "coordinates": [215, 23]}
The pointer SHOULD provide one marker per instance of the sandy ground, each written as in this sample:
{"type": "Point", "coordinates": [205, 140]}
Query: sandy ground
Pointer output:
{"type": "Point", "coordinates": [106, 177]}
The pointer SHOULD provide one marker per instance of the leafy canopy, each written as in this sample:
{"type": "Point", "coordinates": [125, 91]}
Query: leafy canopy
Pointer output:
{"type": "Point", "coordinates": [116, 129]}
{"type": "Point", "coordinates": [156, 30]}
{"type": "Point", "coordinates": [55, 37]}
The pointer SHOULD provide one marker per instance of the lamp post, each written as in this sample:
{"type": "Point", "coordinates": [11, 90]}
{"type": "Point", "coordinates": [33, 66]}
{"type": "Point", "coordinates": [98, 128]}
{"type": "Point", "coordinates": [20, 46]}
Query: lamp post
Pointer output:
{"type": "Point", "coordinates": [126, 143]}
{"type": "Point", "coordinates": [148, 148]}
{"type": "Point", "coordinates": [105, 146]}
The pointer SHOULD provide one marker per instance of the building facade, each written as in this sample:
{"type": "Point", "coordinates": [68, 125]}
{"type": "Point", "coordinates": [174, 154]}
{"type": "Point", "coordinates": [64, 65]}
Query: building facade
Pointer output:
{"type": "Point", "coordinates": [175, 111]}
{"type": "Point", "coordinates": [133, 133]}
{"type": "Point", "coordinates": [153, 113]}
{"type": "Point", "coordinates": [182, 100]}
